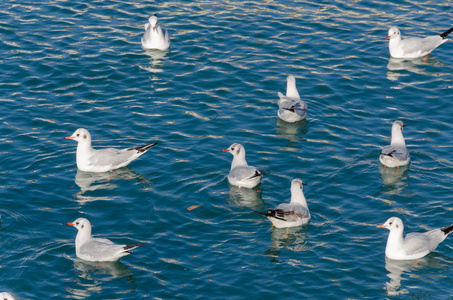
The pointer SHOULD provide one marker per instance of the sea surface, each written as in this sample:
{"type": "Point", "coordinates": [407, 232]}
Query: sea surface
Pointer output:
{"type": "Point", "coordinates": [71, 64]}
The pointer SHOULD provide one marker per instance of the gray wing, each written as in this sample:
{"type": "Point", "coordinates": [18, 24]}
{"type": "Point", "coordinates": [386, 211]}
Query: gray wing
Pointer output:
{"type": "Point", "coordinates": [398, 152]}
{"type": "Point", "coordinates": [422, 242]}
{"type": "Point", "coordinates": [99, 249]}
{"type": "Point", "coordinates": [166, 35]}
{"type": "Point", "coordinates": [292, 212]}
{"type": "Point", "coordinates": [111, 156]}
{"type": "Point", "coordinates": [244, 172]}
{"type": "Point", "coordinates": [290, 103]}
{"type": "Point", "coordinates": [147, 35]}
{"type": "Point", "coordinates": [414, 44]}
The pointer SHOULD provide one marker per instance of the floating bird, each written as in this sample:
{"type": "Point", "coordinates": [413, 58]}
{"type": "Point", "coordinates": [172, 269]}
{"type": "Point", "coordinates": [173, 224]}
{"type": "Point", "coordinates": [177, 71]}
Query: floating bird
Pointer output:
{"type": "Point", "coordinates": [414, 47]}
{"type": "Point", "coordinates": [97, 249]}
{"type": "Point", "coordinates": [103, 160]}
{"type": "Point", "coordinates": [294, 213]}
{"type": "Point", "coordinates": [413, 245]}
{"type": "Point", "coordinates": [241, 174]}
{"type": "Point", "coordinates": [6, 296]}
{"type": "Point", "coordinates": [290, 107]}
{"type": "Point", "coordinates": [395, 154]}
{"type": "Point", "coordinates": [155, 37]}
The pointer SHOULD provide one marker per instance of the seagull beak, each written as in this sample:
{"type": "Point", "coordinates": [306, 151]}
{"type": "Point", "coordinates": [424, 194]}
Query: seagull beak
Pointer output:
{"type": "Point", "coordinates": [224, 150]}
{"type": "Point", "coordinates": [381, 226]}
{"type": "Point", "coordinates": [387, 37]}
{"type": "Point", "coordinates": [70, 224]}
{"type": "Point", "coordinates": [154, 28]}
{"type": "Point", "coordinates": [404, 125]}
{"type": "Point", "coordinates": [68, 138]}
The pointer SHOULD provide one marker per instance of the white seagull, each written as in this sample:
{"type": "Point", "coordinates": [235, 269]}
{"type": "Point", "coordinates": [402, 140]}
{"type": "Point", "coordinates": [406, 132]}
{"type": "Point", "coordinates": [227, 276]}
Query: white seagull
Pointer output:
{"type": "Point", "coordinates": [290, 107]}
{"type": "Point", "coordinates": [155, 37]}
{"type": "Point", "coordinates": [241, 174]}
{"type": "Point", "coordinates": [413, 245]}
{"type": "Point", "coordinates": [395, 154]}
{"type": "Point", "coordinates": [414, 47]}
{"type": "Point", "coordinates": [294, 213]}
{"type": "Point", "coordinates": [97, 249]}
{"type": "Point", "coordinates": [6, 296]}
{"type": "Point", "coordinates": [103, 160]}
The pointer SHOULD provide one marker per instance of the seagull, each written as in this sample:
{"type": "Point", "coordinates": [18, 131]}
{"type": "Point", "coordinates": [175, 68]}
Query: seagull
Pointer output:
{"type": "Point", "coordinates": [413, 245]}
{"type": "Point", "coordinates": [6, 296]}
{"type": "Point", "coordinates": [241, 174]}
{"type": "Point", "coordinates": [395, 154]}
{"type": "Point", "coordinates": [414, 47]}
{"type": "Point", "coordinates": [294, 213]}
{"type": "Point", "coordinates": [290, 107]}
{"type": "Point", "coordinates": [97, 249]}
{"type": "Point", "coordinates": [155, 37]}
{"type": "Point", "coordinates": [103, 160]}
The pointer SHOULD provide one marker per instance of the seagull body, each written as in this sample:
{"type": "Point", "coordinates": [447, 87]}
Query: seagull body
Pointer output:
{"type": "Point", "coordinates": [395, 154]}
{"type": "Point", "coordinates": [6, 296]}
{"type": "Point", "coordinates": [413, 47]}
{"type": "Point", "coordinates": [97, 249]}
{"type": "Point", "coordinates": [290, 107]}
{"type": "Point", "coordinates": [413, 245]}
{"type": "Point", "coordinates": [155, 37]}
{"type": "Point", "coordinates": [241, 174]}
{"type": "Point", "coordinates": [103, 160]}
{"type": "Point", "coordinates": [294, 213]}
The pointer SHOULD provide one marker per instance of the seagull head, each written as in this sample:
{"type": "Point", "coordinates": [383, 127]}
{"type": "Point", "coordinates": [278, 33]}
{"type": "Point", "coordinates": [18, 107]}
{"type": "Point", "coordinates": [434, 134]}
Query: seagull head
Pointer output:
{"type": "Point", "coordinates": [298, 183]}
{"type": "Point", "coordinates": [81, 224]}
{"type": "Point", "coordinates": [398, 125]}
{"type": "Point", "coordinates": [235, 149]}
{"type": "Point", "coordinates": [394, 32]}
{"type": "Point", "coordinates": [393, 224]}
{"type": "Point", "coordinates": [80, 135]}
{"type": "Point", "coordinates": [153, 22]}
{"type": "Point", "coordinates": [6, 296]}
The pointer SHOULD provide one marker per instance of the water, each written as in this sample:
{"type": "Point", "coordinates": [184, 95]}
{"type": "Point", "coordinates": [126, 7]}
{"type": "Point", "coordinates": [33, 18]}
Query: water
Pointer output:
{"type": "Point", "coordinates": [70, 64]}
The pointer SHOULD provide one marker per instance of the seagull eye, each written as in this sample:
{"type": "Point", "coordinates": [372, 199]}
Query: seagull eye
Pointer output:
{"type": "Point", "coordinates": [78, 134]}
{"type": "Point", "coordinates": [77, 223]}
{"type": "Point", "coordinates": [232, 149]}
{"type": "Point", "coordinates": [390, 223]}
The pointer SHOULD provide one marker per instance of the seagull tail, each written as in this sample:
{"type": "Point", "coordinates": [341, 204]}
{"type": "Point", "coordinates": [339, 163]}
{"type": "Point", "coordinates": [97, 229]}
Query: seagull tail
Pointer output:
{"type": "Point", "coordinates": [130, 247]}
{"type": "Point", "coordinates": [274, 213]}
{"type": "Point", "coordinates": [447, 230]}
{"type": "Point", "coordinates": [444, 35]}
{"type": "Point", "coordinates": [143, 149]}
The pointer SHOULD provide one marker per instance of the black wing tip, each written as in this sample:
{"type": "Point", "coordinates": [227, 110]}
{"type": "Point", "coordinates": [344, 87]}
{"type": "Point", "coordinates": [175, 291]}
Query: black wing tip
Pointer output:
{"type": "Point", "coordinates": [143, 148]}
{"type": "Point", "coordinates": [273, 213]}
{"type": "Point", "coordinates": [259, 174]}
{"type": "Point", "coordinates": [447, 230]}
{"type": "Point", "coordinates": [130, 247]}
{"type": "Point", "coordinates": [388, 154]}
{"type": "Point", "coordinates": [446, 33]}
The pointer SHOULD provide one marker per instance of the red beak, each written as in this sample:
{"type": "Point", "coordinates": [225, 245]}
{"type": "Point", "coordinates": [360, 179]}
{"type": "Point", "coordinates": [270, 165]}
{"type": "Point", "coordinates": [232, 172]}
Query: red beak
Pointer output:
{"type": "Point", "coordinates": [68, 138]}
{"type": "Point", "coordinates": [380, 226]}
{"type": "Point", "coordinates": [70, 224]}
{"type": "Point", "coordinates": [387, 37]}
{"type": "Point", "coordinates": [224, 150]}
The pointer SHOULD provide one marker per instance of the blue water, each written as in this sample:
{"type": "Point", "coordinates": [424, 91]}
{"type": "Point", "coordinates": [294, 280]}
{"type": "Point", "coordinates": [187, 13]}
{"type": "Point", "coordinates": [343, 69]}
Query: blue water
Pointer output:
{"type": "Point", "coordinates": [70, 64]}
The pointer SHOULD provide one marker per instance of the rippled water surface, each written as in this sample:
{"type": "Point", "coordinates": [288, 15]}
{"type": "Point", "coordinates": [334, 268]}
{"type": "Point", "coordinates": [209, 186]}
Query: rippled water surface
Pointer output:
{"type": "Point", "coordinates": [70, 64]}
